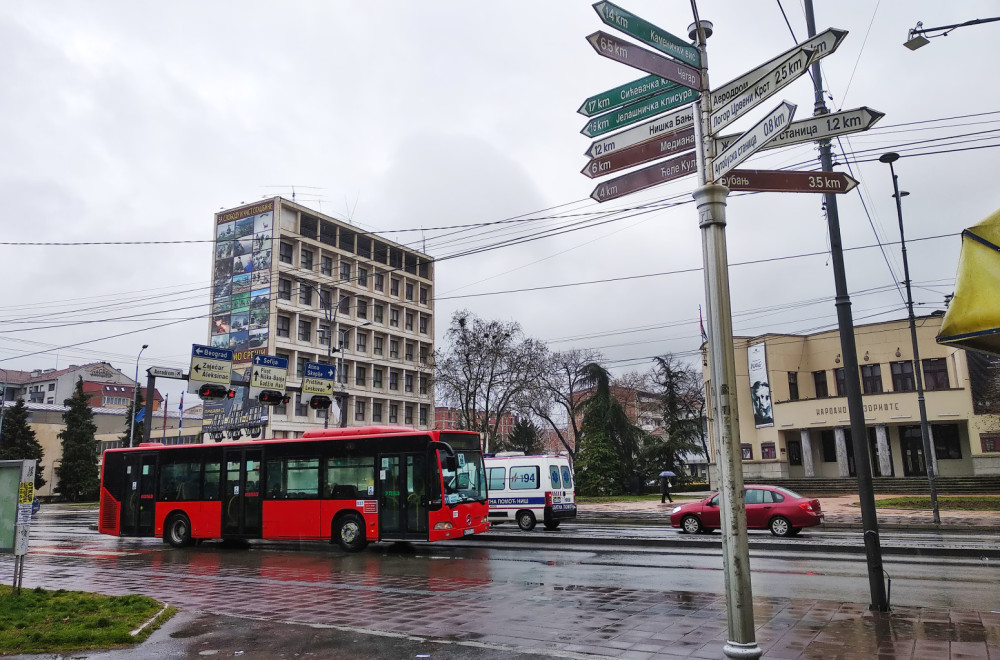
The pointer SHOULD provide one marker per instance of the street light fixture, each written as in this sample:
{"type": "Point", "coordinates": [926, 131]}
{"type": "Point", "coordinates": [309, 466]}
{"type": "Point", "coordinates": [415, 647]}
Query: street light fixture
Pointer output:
{"type": "Point", "coordinates": [919, 36]}
{"type": "Point", "coordinates": [929, 458]}
{"type": "Point", "coordinates": [135, 394]}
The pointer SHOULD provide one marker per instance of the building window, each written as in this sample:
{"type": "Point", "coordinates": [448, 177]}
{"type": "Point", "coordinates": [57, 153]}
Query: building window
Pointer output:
{"type": "Point", "coordinates": [377, 314]}
{"type": "Point", "coordinates": [829, 442]}
{"type": "Point", "coordinates": [360, 375]}
{"type": "Point", "coordinates": [394, 286]}
{"type": "Point", "coordinates": [393, 348]}
{"type": "Point", "coordinates": [423, 324]}
{"type": "Point", "coordinates": [377, 378]}
{"type": "Point", "coordinates": [285, 253]}
{"type": "Point", "coordinates": [305, 294]}
{"type": "Point", "coordinates": [345, 271]}
{"type": "Point", "coordinates": [423, 384]}
{"type": "Point", "coordinates": [376, 412]}
{"type": "Point", "coordinates": [819, 380]}
{"type": "Point", "coordinates": [284, 326]}
{"type": "Point", "coordinates": [324, 334]}
{"type": "Point", "coordinates": [362, 342]}
{"type": "Point", "coordinates": [408, 415]}
{"type": "Point", "coordinates": [359, 411]}
{"type": "Point", "coordinates": [301, 405]}
{"type": "Point", "coordinates": [300, 366]}
{"type": "Point", "coordinates": [326, 265]}
{"type": "Point", "coordinates": [936, 374]}
{"type": "Point", "coordinates": [990, 442]}
{"type": "Point", "coordinates": [408, 383]}
{"type": "Point", "coordinates": [423, 355]}
{"type": "Point", "coordinates": [793, 386]}
{"type": "Point", "coordinates": [379, 282]}
{"type": "Point", "coordinates": [345, 339]}
{"type": "Point", "coordinates": [747, 451]}
{"type": "Point", "coordinates": [767, 451]}
{"type": "Point", "coordinates": [947, 443]}
{"type": "Point", "coordinates": [902, 377]}
{"type": "Point", "coordinates": [409, 351]}
{"type": "Point", "coordinates": [394, 318]}
{"type": "Point", "coordinates": [52, 387]}
{"type": "Point", "coordinates": [423, 295]}
{"type": "Point", "coordinates": [362, 276]}
{"type": "Point", "coordinates": [378, 345]}
{"type": "Point", "coordinates": [393, 380]}
{"type": "Point", "coordinates": [839, 375]}
{"type": "Point", "coordinates": [423, 415]}
{"type": "Point", "coordinates": [305, 330]}
{"type": "Point", "coordinates": [871, 378]}
{"type": "Point", "coordinates": [393, 413]}
{"type": "Point", "coordinates": [344, 305]}
{"type": "Point", "coordinates": [409, 291]}
{"type": "Point", "coordinates": [362, 309]}
{"type": "Point", "coordinates": [284, 289]}
{"type": "Point", "coordinates": [409, 321]}
{"type": "Point", "coordinates": [306, 259]}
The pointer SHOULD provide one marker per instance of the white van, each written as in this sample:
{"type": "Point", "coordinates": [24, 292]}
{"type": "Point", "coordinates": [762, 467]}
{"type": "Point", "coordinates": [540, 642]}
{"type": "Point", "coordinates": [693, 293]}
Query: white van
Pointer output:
{"type": "Point", "coordinates": [529, 489]}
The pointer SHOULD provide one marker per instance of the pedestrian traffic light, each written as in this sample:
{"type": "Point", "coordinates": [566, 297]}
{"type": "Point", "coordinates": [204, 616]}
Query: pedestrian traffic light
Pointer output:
{"type": "Point", "coordinates": [211, 392]}
{"type": "Point", "coordinates": [273, 398]}
{"type": "Point", "coordinates": [320, 402]}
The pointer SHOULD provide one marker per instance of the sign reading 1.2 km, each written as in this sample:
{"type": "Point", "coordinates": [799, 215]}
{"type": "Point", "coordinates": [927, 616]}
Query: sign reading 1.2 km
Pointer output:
{"type": "Point", "coordinates": [210, 365]}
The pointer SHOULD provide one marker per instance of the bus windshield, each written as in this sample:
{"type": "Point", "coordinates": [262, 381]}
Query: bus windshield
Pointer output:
{"type": "Point", "coordinates": [468, 483]}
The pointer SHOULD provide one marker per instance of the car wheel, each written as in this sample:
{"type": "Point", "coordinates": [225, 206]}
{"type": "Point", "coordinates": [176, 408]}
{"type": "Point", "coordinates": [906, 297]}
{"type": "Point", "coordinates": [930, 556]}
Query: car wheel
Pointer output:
{"type": "Point", "coordinates": [349, 533]}
{"type": "Point", "coordinates": [551, 525]}
{"type": "Point", "coordinates": [780, 526]}
{"type": "Point", "coordinates": [178, 531]}
{"type": "Point", "coordinates": [691, 525]}
{"type": "Point", "coordinates": [526, 520]}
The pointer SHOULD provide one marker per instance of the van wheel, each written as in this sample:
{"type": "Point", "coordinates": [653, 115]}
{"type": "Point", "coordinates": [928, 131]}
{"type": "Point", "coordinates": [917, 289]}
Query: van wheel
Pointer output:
{"type": "Point", "coordinates": [526, 520]}
{"type": "Point", "coordinates": [349, 533]}
{"type": "Point", "coordinates": [551, 525]}
{"type": "Point", "coordinates": [177, 531]}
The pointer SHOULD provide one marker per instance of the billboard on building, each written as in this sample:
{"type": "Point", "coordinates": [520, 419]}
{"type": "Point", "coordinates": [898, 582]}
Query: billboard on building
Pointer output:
{"type": "Point", "coordinates": [760, 389]}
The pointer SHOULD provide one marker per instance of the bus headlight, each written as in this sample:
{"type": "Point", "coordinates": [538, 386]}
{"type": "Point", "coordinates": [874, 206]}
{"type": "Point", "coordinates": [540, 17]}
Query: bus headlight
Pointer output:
{"type": "Point", "coordinates": [443, 525]}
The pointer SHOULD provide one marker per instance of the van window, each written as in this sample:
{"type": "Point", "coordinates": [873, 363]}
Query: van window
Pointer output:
{"type": "Point", "coordinates": [524, 478]}
{"type": "Point", "coordinates": [554, 474]}
{"type": "Point", "coordinates": [567, 477]}
{"type": "Point", "coordinates": [497, 478]}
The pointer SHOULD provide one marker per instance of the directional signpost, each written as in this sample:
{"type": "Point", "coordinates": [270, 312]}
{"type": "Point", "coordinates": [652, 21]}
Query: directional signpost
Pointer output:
{"type": "Point", "coordinates": [630, 114]}
{"type": "Point", "coordinates": [756, 92]}
{"type": "Point", "coordinates": [268, 372]}
{"type": "Point", "coordinates": [747, 144]}
{"type": "Point", "coordinates": [659, 127]}
{"type": "Point", "coordinates": [788, 181]}
{"type": "Point", "coordinates": [625, 94]}
{"type": "Point", "coordinates": [646, 32]}
{"type": "Point", "coordinates": [671, 143]}
{"type": "Point", "coordinates": [165, 372]}
{"type": "Point", "coordinates": [668, 170]}
{"type": "Point", "coordinates": [318, 379]}
{"type": "Point", "coordinates": [822, 127]}
{"type": "Point", "coordinates": [645, 60]}
{"type": "Point", "coordinates": [210, 365]}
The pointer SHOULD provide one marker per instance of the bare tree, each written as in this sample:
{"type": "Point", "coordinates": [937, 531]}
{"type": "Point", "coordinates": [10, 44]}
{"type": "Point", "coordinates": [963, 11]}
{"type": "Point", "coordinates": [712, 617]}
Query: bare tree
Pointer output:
{"type": "Point", "coordinates": [556, 397]}
{"type": "Point", "coordinates": [485, 370]}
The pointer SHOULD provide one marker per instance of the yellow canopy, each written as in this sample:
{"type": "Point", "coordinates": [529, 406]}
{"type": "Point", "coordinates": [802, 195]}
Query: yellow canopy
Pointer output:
{"type": "Point", "coordinates": [973, 317]}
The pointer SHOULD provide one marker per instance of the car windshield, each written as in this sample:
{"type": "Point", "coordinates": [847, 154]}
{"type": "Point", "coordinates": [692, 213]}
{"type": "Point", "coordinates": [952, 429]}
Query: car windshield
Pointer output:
{"type": "Point", "coordinates": [468, 482]}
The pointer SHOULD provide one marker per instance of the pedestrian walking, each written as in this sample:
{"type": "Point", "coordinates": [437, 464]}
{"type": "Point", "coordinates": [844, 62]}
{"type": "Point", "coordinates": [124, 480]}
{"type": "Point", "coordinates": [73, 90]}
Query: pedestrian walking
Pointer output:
{"type": "Point", "coordinates": [665, 489]}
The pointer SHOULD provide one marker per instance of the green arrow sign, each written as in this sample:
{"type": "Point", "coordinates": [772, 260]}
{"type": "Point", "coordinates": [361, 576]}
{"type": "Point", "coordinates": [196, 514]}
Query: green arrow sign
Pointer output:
{"type": "Point", "coordinates": [623, 94]}
{"type": "Point", "coordinates": [636, 112]}
{"type": "Point", "coordinates": [646, 32]}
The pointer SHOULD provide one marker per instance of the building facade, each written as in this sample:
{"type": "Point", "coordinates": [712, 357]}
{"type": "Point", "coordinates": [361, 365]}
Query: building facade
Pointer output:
{"type": "Point", "coordinates": [106, 386]}
{"type": "Point", "coordinates": [793, 414]}
{"type": "Point", "coordinates": [294, 283]}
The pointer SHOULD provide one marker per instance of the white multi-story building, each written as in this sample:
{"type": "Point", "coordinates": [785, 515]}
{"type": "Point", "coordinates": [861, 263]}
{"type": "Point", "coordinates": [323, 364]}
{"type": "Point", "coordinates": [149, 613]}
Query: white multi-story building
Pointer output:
{"type": "Point", "coordinates": [287, 280]}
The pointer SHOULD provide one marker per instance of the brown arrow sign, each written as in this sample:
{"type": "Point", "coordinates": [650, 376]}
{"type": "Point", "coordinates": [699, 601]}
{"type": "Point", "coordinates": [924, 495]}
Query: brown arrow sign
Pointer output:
{"type": "Point", "coordinates": [667, 145]}
{"type": "Point", "coordinates": [647, 177]}
{"type": "Point", "coordinates": [644, 60]}
{"type": "Point", "coordinates": [788, 181]}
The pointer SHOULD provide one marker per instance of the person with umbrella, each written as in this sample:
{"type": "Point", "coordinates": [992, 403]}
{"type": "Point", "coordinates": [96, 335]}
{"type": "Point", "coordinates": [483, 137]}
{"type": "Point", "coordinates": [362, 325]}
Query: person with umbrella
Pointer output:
{"type": "Point", "coordinates": [665, 486]}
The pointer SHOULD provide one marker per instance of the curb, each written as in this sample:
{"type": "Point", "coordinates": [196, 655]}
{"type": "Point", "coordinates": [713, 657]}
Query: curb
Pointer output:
{"type": "Point", "coordinates": [953, 527]}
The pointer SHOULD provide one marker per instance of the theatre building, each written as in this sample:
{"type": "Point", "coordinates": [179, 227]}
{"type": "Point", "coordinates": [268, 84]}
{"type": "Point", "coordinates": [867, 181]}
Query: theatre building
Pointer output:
{"type": "Point", "coordinates": [794, 421]}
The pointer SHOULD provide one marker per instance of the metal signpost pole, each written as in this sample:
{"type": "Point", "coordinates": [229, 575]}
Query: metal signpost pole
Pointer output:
{"type": "Point", "coordinates": [859, 437]}
{"type": "Point", "coordinates": [711, 201]}
{"type": "Point", "coordinates": [925, 433]}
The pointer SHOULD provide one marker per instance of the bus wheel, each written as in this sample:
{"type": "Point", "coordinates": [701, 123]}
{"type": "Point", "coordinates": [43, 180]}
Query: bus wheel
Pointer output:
{"type": "Point", "coordinates": [178, 531]}
{"type": "Point", "coordinates": [526, 520]}
{"type": "Point", "coordinates": [349, 532]}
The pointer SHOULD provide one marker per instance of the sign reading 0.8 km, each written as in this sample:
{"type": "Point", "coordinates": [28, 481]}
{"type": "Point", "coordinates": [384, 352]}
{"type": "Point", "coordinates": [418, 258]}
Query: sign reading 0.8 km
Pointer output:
{"type": "Point", "coordinates": [210, 365]}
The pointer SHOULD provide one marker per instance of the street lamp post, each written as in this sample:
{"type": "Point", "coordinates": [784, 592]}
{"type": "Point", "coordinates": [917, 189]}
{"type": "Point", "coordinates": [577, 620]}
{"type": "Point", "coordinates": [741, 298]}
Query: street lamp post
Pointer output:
{"type": "Point", "coordinates": [929, 458]}
{"type": "Point", "coordinates": [3, 403]}
{"type": "Point", "coordinates": [135, 395]}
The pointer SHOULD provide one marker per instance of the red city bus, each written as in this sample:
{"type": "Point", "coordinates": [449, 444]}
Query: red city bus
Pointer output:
{"type": "Point", "coordinates": [348, 485]}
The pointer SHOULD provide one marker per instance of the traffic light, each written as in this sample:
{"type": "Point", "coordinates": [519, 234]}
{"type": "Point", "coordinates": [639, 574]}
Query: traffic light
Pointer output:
{"type": "Point", "coordinates": [211, 392]}
{"type": "Point", "coordinates": [320, 402]}
{"type": "Point", "coordinates": [273, 398]}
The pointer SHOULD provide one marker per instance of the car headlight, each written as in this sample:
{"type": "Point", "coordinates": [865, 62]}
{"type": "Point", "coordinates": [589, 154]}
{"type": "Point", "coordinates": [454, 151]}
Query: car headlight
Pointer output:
{"type": "Point", "coordinates": [676, 510]}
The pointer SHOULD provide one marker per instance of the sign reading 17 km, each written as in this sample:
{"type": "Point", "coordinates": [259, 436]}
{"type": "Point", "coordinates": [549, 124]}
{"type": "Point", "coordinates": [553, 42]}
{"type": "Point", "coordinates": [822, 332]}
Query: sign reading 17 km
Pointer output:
{"type": "Point", "coordinates": [210, 365]}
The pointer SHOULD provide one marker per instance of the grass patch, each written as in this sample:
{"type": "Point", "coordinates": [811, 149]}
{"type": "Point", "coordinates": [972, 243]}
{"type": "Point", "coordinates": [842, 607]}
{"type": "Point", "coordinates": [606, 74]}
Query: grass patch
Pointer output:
{"type": "Point", "coordinates": [39, 621]}
{"type": "Point", "coordinates": [945, 502]}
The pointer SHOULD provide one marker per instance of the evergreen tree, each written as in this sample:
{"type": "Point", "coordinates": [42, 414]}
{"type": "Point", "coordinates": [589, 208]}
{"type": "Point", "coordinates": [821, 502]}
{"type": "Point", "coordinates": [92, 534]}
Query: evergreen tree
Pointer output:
{"type": "Point", "coordinates": [140, 427]}
{"type": "Point", "coordinates": [77, 475]}
{"type": "Point", "coordinates": [18, 441]}
{"type": "Point", "coordinates": [526, 437]}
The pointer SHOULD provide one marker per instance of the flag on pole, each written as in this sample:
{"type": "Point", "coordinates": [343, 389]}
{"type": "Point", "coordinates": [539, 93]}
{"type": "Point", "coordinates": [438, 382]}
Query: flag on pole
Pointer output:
{"type": "Point", "coordinates": [166, 404]}
{"type": "Point", "coordinates": [180, 422]}
{"type": "Point", "coordinates": [701, 322]}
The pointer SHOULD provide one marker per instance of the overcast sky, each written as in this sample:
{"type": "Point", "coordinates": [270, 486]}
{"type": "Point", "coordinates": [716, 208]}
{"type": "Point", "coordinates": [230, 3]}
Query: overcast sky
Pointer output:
{"type": "Point", "coordinates": [136, 121]}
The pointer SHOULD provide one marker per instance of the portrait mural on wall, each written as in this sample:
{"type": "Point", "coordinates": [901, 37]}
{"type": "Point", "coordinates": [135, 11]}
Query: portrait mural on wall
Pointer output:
{"type": "Point", "coordinates": [760, 389]}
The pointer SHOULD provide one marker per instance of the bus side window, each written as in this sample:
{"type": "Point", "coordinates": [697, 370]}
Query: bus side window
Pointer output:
{"type": "Point", "coordinates": [211, 483]}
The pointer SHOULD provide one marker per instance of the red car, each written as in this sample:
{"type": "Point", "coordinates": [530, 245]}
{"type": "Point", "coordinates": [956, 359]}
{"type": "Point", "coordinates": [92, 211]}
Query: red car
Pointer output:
{"type": "Point", "coordinates": [782, 511]}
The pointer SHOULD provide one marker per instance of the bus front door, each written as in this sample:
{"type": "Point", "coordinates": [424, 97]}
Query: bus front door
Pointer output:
{"type": "Point", "coordinates": [403, 496]}
{"type": "Point", "coordinates": [139, 509]}
{"type": "Point", "coordinates": [241, 500]}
